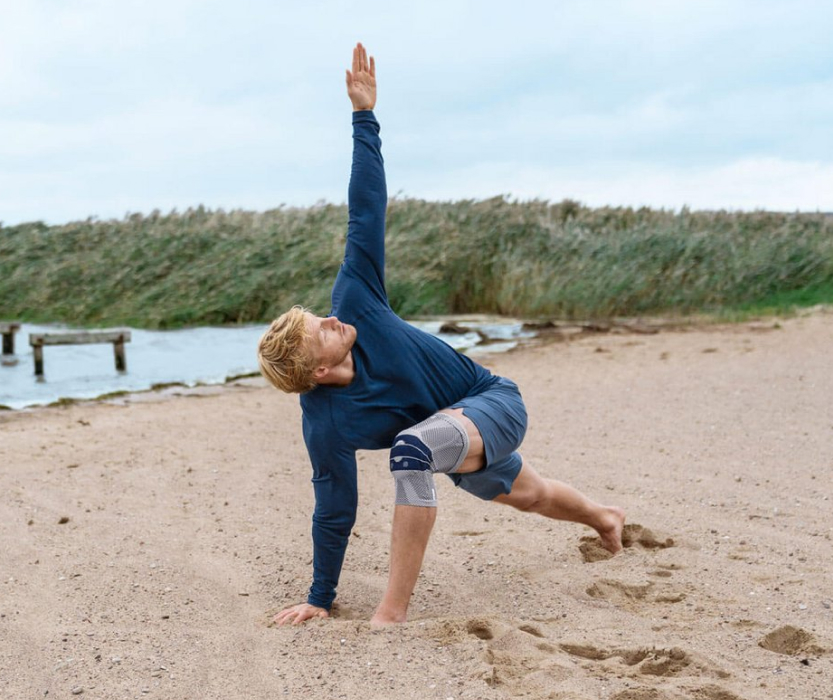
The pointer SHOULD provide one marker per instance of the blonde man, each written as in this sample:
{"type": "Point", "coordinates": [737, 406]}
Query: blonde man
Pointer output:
{"type": "Point", "coordinates": [368, 380]}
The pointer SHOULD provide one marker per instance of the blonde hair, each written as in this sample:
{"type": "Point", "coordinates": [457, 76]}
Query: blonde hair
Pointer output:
{"type": "Point", "coordinates": [282, 353]}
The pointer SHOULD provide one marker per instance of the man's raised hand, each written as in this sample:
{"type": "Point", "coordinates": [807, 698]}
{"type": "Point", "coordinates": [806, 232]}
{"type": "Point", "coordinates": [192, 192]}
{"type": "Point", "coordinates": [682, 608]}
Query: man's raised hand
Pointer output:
{"type": "Point", "coordinates": [361, 81]}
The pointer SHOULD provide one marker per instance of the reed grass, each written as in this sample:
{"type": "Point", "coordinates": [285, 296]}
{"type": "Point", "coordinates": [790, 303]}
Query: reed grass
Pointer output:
{"type": "Point", "coordinates": [526, 259]}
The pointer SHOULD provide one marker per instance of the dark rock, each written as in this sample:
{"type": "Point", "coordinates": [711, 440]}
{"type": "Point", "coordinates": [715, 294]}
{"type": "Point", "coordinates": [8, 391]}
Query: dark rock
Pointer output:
{"type": "Point", "coordinates": [454, 328]}
{"type": "Point", "coordinates": [539, 325]}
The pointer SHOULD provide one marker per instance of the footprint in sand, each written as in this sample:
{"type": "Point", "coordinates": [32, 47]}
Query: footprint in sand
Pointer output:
{"type": "Point", "coordinates": [534, 631]}
{"type": "Point", "coordinates": [640, 694]}
{"type": "Point", "coordinates": [714, 692]}
{"type": "Point", "coordinates": [627, 595]}
{"type": "Point", "coordinates": [517, 657]}
{"type": "Point", "coordinates": [709, 692]}
{"type": "Point", "coordinates": [633, 535]}
{"type": "Point", "coordinates": [520, 660]}
{"type": "Point", "coordinates": [647, 661]}
{"type": "Point", "coordinates": [484, 629]}
{"type": "Point", "coordinates": [480, 629]}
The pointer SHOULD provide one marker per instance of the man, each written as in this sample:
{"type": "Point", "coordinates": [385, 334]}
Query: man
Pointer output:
{"type": "Point", "coordinates": [368, 380]}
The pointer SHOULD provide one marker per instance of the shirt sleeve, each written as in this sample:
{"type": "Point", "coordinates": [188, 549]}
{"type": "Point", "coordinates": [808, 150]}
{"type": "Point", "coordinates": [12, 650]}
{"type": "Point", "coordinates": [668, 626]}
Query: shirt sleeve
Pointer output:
{"type": "Point", "coordinates": [364, 255]}
{"type": "Point", "coordinates": [336, 501]}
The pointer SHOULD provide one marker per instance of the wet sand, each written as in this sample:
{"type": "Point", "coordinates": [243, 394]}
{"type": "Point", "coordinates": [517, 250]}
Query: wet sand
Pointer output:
{"type": "Point", "coordinates": [144, 546]}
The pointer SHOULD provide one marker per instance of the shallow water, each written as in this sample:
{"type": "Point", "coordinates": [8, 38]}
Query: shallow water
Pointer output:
{"type": "Point", "coordinates": [191, 356]}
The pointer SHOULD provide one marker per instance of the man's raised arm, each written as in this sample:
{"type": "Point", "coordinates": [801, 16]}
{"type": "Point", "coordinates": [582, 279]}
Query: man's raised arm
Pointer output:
{"type": "Point", "coordinates": [364, 256]}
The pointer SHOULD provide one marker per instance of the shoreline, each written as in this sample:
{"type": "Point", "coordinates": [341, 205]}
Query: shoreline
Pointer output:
{"type": "Point", "coordinates": [545, 331]}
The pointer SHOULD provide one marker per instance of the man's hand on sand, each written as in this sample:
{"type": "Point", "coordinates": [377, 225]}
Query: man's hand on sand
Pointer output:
{"type": "Point", "coordinates": [297, 614]}
{"type": "Point", "coordinates": [361, 81]}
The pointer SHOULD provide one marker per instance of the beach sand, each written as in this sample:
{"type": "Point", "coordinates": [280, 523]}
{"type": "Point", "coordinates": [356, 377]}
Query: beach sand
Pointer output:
{"type": "Point", "coordinates": [144, 546]}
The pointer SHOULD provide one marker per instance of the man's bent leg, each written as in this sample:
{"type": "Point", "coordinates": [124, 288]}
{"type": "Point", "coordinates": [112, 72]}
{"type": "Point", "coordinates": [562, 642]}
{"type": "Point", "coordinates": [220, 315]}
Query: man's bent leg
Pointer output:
{"type": "Point", "coordinates": [412, 524]}
{"type": "Point", "coordinates": [476, 456]}
{"type": "Point", "coordinates": [411, 529]}
{"type": "Point", "coordinates": [554, 499]}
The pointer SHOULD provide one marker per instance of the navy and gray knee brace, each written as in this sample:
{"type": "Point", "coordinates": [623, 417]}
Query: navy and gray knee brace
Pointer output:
{"type": "Point", "coordinates": [438, 444]}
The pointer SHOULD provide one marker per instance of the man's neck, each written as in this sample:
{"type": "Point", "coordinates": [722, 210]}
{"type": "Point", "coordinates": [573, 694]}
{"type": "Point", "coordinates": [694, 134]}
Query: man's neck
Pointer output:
{"type": "Point", "coordinates": [342, 374]}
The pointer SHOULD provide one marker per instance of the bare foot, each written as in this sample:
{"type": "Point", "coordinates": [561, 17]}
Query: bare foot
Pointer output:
{"type": "Point", "coordinates": [610, 529]}
{"type": "Point", "coordinates": [383, 619]}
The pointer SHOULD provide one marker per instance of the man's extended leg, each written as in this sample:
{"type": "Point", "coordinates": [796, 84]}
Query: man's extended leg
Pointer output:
{"type": "Point", "coordinates": [554, 499]}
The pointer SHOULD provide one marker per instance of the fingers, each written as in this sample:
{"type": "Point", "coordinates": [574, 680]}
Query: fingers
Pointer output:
{"type": "Point", "coordinates": [285, 616]}
{"type": "Point", "coordinates": [349, 78]}
{"type": "Point", "coordinates": [298, 614]}
{"type": "Point", "coordinates": [281, 617]}
{"type": "Point", "coordinates": [360, 61]}
{"type": "Point", "coordinates": [302, 616]}
{"type": "Point", "coordinates": [306, 615]}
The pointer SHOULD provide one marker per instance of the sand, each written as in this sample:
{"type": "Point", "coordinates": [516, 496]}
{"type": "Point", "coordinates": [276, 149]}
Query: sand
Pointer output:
{"type": "Point", "coordinates": [144, 546]}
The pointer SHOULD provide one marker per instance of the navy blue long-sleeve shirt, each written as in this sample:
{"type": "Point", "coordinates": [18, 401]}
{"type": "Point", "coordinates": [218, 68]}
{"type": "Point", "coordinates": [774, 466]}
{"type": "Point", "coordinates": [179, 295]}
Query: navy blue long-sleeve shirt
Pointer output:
{"type": "Point", "coordinates": [402, 374]}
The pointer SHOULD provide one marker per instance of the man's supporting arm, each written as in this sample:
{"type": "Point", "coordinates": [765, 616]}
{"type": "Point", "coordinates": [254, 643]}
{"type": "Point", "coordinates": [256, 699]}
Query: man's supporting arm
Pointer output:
{"type": "Point", "coordinates": [336, 501]}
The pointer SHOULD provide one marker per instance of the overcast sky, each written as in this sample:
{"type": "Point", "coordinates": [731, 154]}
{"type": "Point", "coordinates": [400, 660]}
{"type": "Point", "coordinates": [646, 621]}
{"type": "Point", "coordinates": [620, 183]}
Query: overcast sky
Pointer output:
{"type": "Point", "coordinates": [109, 107]}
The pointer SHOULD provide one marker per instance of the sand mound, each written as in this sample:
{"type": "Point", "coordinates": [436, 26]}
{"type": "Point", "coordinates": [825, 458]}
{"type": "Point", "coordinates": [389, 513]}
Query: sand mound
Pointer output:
{"type": "Point", "coordinates": [790, 641]}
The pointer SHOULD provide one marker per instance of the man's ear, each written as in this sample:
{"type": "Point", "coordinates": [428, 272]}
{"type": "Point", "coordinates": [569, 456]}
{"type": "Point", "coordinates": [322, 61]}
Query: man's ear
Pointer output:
{"type": "Point", "coordinates": [320, 373]}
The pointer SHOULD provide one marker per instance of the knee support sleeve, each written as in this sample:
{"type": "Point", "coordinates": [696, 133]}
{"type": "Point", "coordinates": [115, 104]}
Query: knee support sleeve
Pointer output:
{"type": "Point", "coordinates": [438, 444]}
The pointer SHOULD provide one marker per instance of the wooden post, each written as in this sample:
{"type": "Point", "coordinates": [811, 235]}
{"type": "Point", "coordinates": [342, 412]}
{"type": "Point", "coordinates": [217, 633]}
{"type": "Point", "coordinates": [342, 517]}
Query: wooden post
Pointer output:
{"type": "Point", "coordinates": [8, 330]}
{"type": "Point", "coordinates": [38, 351]}
{"type": "Point", "coordinates": [118, 350]}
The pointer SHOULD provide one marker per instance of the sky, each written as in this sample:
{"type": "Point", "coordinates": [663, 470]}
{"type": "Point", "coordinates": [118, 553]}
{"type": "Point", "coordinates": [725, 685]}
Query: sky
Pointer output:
{"type": "Point", "coordinates": [115, 107]}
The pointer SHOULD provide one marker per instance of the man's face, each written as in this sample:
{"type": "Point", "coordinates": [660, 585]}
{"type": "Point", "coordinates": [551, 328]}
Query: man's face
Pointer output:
{"type": "Point", "coordinates": [330, 339]}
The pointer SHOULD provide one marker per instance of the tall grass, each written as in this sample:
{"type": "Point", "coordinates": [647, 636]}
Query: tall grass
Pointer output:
{"type": "Point", "coordinates": [521, 258]}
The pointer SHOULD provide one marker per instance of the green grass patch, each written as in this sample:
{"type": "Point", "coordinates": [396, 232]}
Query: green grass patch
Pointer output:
{"type": "Point", "coordinates": [789, 300]}
{"type": "Point", "coordinates": [784, 304]}
{"type": "Point", "coordinates": [494, 256]}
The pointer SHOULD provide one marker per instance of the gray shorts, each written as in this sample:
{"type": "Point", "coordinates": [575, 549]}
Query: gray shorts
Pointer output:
{"type": "Point", "coordinates": [500, 416]}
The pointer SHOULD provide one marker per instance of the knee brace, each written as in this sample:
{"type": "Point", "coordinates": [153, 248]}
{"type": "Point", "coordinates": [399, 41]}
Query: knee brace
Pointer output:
{"type": "Point", "coordinates": [438, 444]}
